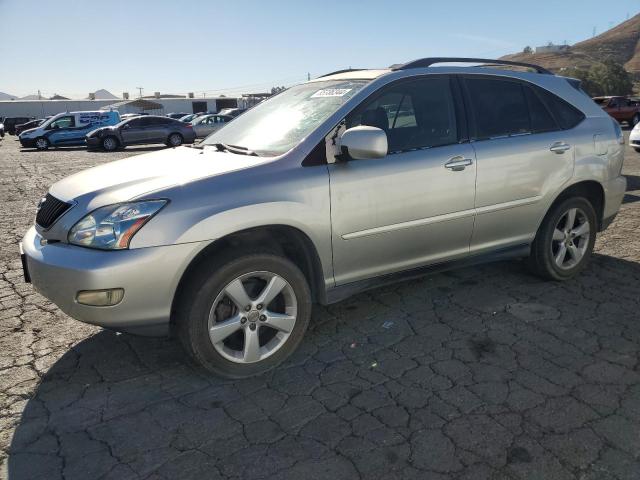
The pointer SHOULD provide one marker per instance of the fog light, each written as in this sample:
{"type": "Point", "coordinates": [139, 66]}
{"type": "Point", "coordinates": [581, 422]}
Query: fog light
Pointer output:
{"type": "Point", "coordinates": [100, 298]}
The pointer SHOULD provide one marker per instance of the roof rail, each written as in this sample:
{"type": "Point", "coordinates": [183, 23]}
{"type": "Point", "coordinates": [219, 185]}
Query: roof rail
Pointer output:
{"type": "Point", "coordinates": [346, 70]}
{"type": "Point", "coordinates": [427, 62]}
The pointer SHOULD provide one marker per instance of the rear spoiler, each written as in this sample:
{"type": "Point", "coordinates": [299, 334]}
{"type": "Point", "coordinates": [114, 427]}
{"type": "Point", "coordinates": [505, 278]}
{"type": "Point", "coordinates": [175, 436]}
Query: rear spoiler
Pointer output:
{"type": "Point", "coordinates": [575, 83]}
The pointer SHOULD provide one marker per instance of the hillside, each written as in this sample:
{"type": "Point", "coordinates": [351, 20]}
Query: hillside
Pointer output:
{"type": "Point", "coordinates": [621, 43]}
{"type": "Point", "coordinates": [6, 96]}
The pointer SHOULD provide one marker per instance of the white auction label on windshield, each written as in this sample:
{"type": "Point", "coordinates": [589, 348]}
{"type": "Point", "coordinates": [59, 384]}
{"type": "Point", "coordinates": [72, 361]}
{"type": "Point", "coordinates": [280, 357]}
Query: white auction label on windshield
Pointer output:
{"type": "Point", "coordinates": [331, 92]}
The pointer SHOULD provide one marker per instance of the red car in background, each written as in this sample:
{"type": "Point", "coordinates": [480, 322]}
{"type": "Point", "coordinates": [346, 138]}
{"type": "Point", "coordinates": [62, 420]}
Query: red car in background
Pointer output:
{"type": "Point", "coordinates": [623, 109]}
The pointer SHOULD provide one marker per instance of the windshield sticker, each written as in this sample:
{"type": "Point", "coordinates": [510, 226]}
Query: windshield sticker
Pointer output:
{"type": "Point", "coordinates": [331, 92]}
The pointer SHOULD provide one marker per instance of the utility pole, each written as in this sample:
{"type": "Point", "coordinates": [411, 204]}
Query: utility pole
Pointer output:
{"type": "Point", "coordinates": [308, 76]}
{"type": "Point", "coordinates": [140, 88]}
{"type": "Point", "coordinates": [39, 95]}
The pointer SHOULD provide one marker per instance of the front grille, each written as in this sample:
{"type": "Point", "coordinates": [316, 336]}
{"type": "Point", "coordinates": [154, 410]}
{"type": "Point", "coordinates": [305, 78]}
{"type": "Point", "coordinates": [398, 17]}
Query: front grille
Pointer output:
{"type": "Point", "coordinates": [49, 210]}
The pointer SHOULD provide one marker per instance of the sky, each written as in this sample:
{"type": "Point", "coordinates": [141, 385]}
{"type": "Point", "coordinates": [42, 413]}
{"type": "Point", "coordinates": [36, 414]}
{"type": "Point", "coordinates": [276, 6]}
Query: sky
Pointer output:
{"type": "Point", "coordinates": [73, 47]}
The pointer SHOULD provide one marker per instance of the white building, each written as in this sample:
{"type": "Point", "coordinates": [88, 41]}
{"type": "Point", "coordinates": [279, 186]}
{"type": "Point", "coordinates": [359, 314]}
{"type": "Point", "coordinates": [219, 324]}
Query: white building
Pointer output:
{"type": "Point", "coordinates": [44, 108]}
{"type": "Point", "coordinates": [551, 48]}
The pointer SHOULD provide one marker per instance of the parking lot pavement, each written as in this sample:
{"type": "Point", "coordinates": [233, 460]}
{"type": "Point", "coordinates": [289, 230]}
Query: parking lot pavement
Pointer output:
{"type": "Point", "coordinates": [480, 373]}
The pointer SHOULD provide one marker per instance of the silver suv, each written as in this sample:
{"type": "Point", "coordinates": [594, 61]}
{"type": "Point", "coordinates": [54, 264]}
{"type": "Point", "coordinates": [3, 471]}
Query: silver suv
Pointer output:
{"type": "Point", "coordinates": [349, 181]}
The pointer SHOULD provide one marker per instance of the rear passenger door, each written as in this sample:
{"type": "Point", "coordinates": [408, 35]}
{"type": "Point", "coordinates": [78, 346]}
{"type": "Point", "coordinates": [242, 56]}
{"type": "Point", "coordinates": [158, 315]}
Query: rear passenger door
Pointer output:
{"type": "Point", "coordinates": [415, 206]}
{"type": "Point", "coordinates": [524, 153]}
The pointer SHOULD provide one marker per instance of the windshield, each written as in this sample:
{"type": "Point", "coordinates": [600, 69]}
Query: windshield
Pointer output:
{"type": "Point", "coordinates": [278, 124]}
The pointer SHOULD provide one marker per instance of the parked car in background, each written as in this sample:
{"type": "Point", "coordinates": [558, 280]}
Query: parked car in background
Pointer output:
{"type": "Point", "coordinates": [191, 117]}
{"type": "Point", "coordinates": [11, 122]}
{"type": "Point", "coordinates": [29, 125]}
{"type": "Point", "coordinates": [66, 129]}
{"type": "Point", "coordinates": [177, 116]}
{"type": "Point", "coordinates": [1, 128]}
{"type": "Point", "coordinates": [139, 130]}
{"type": "Point", "coordinates": [229, 245]}
{"type": "Point", "coordinates": [634, 138]}
{"type": "Point", "coordinates": [207, 124]}
{"type": "Point", "coordinates": [232, 112]}
{"type": "Point", "coordinates": [623, 109]}
{"type": "Point", "coordinates": [132, 115]}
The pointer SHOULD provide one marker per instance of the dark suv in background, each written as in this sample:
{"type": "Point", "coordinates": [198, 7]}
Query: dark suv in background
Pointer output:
{"type": "Point", "coordinates": [139, 130]}
{"type": "Point", "coordinates": [28, 125]}
{"type": "Point", "coordinates": [11, 122]}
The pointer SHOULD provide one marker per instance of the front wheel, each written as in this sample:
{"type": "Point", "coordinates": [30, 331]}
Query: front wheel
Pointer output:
{"type": "Point", "coordinates": [245, 316]}
{"type": "Point", "coordinates": [564, 242]}
{"type": "Point", "coordinates": [637, 149]}
{"type": "Point", "coordinates": [174, 140]}
{"type": "Point", "coordinates": [109, 144]}
{"type": "Point", "coordinates": [635, 120]}
{"type": "Point", "coordinates": [42, 143]}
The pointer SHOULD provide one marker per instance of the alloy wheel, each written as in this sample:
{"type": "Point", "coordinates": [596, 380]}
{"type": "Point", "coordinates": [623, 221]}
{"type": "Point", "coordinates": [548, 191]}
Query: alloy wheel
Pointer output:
{"type": "Point", "coordinates": [252, 317]}
{"type": "Point", "coordinates": [571, 238]}
{"type": "Point", "coordinates": [42, 143]}
{"type": "Point", "coordinates": [175, 140]}
{"type": "Point", "coordinates": [109, 144]}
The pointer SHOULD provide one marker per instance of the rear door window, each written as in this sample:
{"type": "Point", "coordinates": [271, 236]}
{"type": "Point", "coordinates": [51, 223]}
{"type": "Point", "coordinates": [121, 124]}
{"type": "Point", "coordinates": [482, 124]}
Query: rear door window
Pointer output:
{"type": "Point", "coordinates": [541, 118]}
{"type": "Point", "coordinates": [499, 107]}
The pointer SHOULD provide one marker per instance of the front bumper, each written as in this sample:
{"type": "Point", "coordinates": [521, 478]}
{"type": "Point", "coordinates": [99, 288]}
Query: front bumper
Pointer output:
{"type": "Point", "coordinates": [149, 277]}
{"type": "Point", "coordinates": [93, 142]}
{"type": "Point", "coordinates": [27, 142]}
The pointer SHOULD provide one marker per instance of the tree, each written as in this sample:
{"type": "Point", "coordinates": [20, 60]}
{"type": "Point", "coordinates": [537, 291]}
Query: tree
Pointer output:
{"type": "Point", "coordinates": [528, 50]}
{"type": "Point", "coordinates": [607, 78]}
{"type": "Point", "coordinates": [592, 88]}
{"type": "Point", "coordinates": [612, 78]}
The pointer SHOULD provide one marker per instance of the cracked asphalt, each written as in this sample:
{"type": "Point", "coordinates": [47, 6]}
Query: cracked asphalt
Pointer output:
{"type": "Point", "coordinates": [481, 373]}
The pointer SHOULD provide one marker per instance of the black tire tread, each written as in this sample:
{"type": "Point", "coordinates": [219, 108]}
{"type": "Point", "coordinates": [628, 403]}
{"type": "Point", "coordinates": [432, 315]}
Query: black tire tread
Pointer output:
{"type": "Point", "coordinates": [539, 261]}
{"type": "Point", "coordinates": [220, 264]}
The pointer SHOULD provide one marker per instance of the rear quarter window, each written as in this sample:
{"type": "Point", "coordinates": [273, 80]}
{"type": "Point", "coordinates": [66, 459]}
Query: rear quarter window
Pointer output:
{"type": "Point", "coordinates": [565, 114]}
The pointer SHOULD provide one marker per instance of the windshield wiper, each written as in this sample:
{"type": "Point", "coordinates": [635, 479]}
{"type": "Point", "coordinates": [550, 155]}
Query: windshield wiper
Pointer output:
{"type": "Point", "coordinates": [234, 149]}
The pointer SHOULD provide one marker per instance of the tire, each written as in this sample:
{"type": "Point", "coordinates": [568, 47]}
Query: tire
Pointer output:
{"type": "Point", "coordinates": [175, 140]}
{"type": "Point", "coordinates": [635, 120]}
{"type": "Point", "coordinates": [637, 149]}
{"type": "Point", "coordinates": [206, 295]}
{"type": "Point", "coordinates": [110, 143]}
{"type": "Point", "coordinates": [554, 237]}
{"type": "Point", "coordinates": [42, 143]}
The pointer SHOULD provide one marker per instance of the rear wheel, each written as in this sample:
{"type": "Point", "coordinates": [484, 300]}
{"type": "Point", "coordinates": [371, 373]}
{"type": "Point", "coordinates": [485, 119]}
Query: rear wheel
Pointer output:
{"type": "Point", "coordinates": [174, 140]}
{"type": "Point", "coordinates": [564, 242]}
{"type": "Point", "coordinates": [42, 143]}
{"type": "Point", "coordinates": [110, 144]}
{"type": "Point", "coordinates": [244, 316]}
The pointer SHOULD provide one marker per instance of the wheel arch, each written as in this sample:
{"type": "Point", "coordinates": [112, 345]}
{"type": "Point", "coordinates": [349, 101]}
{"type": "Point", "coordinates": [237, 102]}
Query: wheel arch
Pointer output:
{"type": "Point", "coordinates": [284, 240]}
{"type": "Point", "coordinates": [592, 190]}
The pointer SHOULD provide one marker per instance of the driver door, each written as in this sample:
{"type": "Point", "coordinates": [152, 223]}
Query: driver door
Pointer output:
{"type": "Point", "coordinates": [132, 132]}
{"type": "Point", "coordinates": [415, 206]}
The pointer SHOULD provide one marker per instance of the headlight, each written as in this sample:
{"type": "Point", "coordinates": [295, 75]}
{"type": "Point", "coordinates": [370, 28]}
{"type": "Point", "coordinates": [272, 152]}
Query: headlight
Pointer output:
{"type": "Point", "coordinates": [113, 226]}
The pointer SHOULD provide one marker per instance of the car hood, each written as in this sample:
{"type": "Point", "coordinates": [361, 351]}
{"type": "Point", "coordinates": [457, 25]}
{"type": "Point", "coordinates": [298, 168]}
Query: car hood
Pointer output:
{"type": "Point", "coordinates": [30, 130]}
{"type": "Point", "coordinates": [132, 177]}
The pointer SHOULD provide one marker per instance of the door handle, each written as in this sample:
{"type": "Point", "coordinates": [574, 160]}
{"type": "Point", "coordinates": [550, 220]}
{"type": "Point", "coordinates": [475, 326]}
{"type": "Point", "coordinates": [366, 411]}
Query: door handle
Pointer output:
{"type": "Point", "coordinates": [559, 147]}
{"type": "Point", "coordinates": [458, 163]}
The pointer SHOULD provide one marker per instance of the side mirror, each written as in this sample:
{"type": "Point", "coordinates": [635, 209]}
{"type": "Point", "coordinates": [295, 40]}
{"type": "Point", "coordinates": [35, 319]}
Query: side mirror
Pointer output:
{"type": "Point", "coordinates": [363, 143]}
{"type": "Point", "coordinates": [126, 127]}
